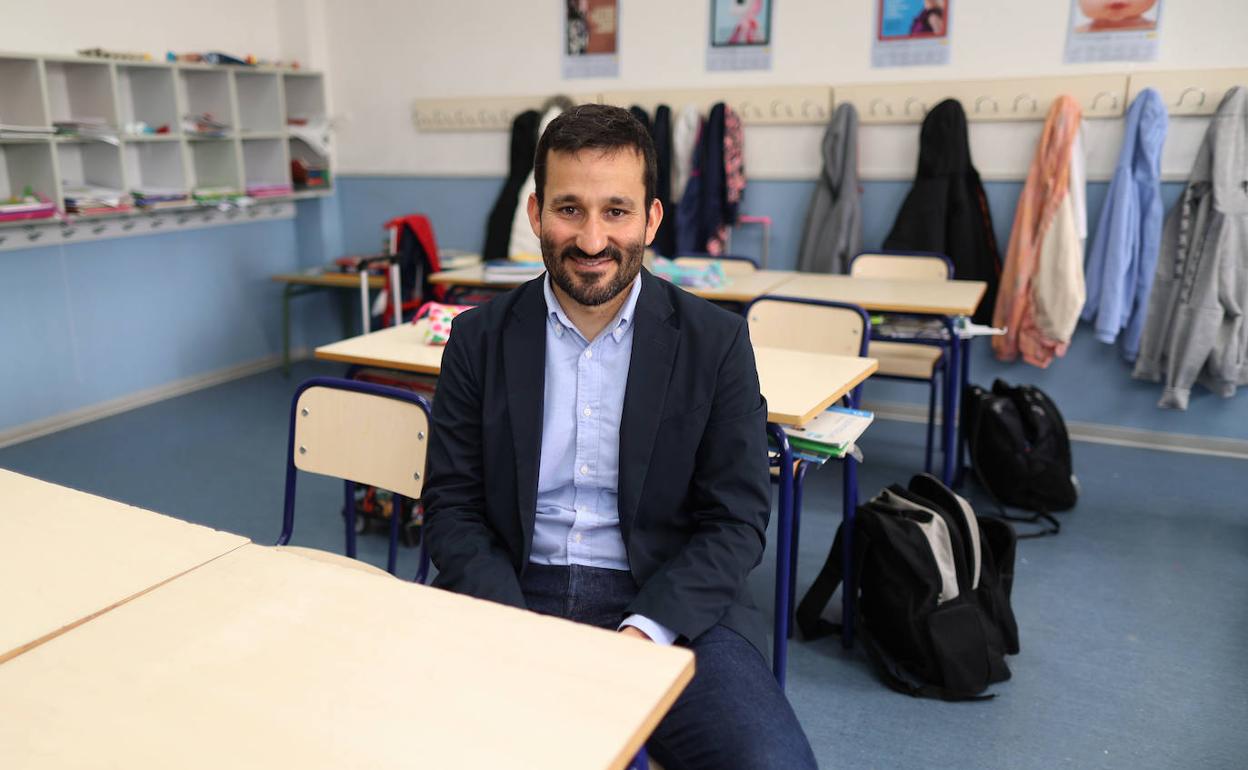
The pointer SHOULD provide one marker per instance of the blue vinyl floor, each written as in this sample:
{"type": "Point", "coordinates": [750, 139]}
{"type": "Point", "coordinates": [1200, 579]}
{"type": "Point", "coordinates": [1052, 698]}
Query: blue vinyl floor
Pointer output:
{"type": "Point", "coordinates": [1133, 621]}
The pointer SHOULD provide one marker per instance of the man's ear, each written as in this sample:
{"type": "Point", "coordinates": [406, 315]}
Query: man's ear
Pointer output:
{"type": "Point", "coordinates": [653, 217]}
{"type": "Point", "coordinates": [535, 215]}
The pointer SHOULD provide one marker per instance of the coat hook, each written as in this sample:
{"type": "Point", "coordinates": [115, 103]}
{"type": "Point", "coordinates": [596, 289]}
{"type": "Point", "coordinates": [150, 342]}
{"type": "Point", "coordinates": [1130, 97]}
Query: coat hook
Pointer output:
{"type": "Point", "coordinates": [1113, 105]}
{"type": "Point", "coordinates": [1035, 105]}
{"type": "Point", "coordinates": [888, 108]}
{"type": "Point", "coordinates": [915, 100]}
{"type": "Point", "coordinates": [991, 99]}
{"type": "Point", "coordinates": [1188, 90]}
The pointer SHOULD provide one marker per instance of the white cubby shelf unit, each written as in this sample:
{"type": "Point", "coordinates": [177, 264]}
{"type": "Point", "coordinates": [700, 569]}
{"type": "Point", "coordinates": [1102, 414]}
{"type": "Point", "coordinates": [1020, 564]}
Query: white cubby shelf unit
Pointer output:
{"type": "Point", "coordinates": [261, 119]}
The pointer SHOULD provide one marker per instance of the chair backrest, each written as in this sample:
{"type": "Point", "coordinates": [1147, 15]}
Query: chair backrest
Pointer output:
{"type": "Point", "coordinates": [813, 326]}
{"type": "Point", "coordinates": [362, 432]}
{"type": "Point", "coordinates": [731, 265]}
{"type": "Point", "coordinates": [911, 266]}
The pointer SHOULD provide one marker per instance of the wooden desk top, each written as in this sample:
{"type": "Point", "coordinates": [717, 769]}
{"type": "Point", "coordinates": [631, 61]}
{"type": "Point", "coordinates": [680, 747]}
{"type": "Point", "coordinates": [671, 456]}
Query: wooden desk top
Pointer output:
{"type": "Point", "coordinates": [745, 287]}
{"type": "Point", "coordinates": [897, 296]}
{"type": "Point", "coordinates": [469, 276]}
{"type": "Point", "coordinates": [798, 385]}
{"type": "Point", "coordinates": [268, 659]}
{"type": "Point", "coordinates": [330, 279]}
{"type": "Point", "coordinates": [66, 556]}
{"type": "Point", "coordinates": [397, 347]}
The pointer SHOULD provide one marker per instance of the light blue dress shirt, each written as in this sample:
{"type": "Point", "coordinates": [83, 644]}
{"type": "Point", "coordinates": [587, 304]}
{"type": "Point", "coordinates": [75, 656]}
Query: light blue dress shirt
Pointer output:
{"type": "Point", "coordinates": [578, 520]}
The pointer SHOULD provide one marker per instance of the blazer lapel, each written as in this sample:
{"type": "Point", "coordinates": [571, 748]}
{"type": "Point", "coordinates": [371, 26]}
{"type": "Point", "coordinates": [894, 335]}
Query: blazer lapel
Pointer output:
{"type": "Point", "coordinates": [524, 373]}
{"type": "Point", "coordinates": [649, 371]}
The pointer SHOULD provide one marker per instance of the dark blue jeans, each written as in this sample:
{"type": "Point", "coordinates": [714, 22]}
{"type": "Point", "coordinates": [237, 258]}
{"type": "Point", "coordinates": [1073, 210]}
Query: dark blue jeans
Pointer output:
{"type": "Point", "coordinates": [732, 716]}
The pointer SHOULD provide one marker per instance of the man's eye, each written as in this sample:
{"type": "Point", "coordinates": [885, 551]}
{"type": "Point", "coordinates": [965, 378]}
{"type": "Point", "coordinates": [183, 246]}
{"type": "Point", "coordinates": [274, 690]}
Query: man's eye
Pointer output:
{"type": "Point", "coordinates": [568, 211]}
{"type": "Point", "coordinates": [616, 212]}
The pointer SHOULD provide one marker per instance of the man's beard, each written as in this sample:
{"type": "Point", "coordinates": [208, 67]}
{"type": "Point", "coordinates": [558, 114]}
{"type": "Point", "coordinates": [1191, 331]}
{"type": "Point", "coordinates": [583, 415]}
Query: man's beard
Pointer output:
{"type": "Point", "coordinates": [594, 292]}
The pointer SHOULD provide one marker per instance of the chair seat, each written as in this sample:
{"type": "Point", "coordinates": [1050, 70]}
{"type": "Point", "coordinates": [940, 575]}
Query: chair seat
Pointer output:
{"type": "Point", "coordinates": [316, 554]}
{"type": "Point", "coordinates": [905, 359]}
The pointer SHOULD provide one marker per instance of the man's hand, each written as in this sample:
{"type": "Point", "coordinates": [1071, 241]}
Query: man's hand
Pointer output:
{"type": "Point", "coordinates": [635, 632]}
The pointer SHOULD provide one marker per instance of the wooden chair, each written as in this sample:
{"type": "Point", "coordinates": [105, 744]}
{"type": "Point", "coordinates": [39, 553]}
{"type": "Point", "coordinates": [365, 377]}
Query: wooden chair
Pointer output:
{"type": "Point", "coordinates": [918, 360]}
{"type": "Point", "coordinates": [363, 433]}
{"type": "Point", "coordinates": [814, 326]}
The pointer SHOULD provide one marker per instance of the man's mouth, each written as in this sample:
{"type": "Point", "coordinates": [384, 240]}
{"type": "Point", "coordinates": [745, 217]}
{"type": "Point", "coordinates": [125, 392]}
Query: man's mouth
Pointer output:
{"type": "Point", "coordinates": [597, 260]}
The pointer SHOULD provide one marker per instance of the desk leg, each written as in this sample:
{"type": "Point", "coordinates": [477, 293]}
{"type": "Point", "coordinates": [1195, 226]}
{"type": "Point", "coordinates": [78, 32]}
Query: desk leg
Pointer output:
{"type": "Point", "coordinates": [964, 380]}
{"type": "Point", "coordinates": [287, 293]}
{"type": "Point", "coordinates": [784, 550]}
{"type": "Point", "coordinates": [949, 416]}
{"type": "Point", "coordinates": [849, 587]}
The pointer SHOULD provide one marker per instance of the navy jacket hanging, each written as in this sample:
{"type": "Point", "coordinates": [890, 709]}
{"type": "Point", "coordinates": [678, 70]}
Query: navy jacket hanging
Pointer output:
{"type": "Point", "coordinates": [702, 209]}
{"type": "Point", "coordinates": [661, 133]}
{"type": "Point", "coordinates": [523, 146]}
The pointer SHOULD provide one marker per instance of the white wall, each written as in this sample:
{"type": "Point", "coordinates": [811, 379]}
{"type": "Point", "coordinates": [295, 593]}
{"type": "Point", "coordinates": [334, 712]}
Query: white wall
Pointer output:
{"type": "Point", "coordinates": [63, 26]}
{"type": "Point", "coordinates": [382, 54]}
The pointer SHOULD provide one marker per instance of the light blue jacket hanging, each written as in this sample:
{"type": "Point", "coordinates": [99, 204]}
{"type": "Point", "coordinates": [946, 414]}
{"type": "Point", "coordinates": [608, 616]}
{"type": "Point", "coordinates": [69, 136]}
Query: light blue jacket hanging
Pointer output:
{"type": "Point", "coordinates": [1123, 255]}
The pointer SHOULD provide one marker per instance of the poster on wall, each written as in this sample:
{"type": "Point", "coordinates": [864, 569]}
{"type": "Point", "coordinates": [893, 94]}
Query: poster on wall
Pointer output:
{"type": "Point", "coordinates": [740, 37]}
{"type": "Point", "coordinates": [910, 33]}
{"type": "Point", "coordinates": [1112, 30]}
{"type": "Point", "coordinates": [591, 39]}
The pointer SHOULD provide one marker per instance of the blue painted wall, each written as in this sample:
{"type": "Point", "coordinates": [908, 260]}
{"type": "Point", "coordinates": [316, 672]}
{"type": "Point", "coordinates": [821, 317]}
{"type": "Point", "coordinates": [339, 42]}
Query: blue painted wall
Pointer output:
{"type": "Point", "coordinates": [1091, 384]}
{"type": "Point", "coordinates": [90, 322]}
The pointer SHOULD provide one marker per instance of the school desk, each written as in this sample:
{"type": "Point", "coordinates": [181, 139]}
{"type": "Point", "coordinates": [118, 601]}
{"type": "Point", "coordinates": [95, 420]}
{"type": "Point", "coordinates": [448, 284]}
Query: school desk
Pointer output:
{"type": "Point", "coordinates": [950, 299]}
{"type": "Point", "coordinates": [263, 659]}
{"type": "Point", "coordinates": [738, 288]}
{"type": "Point", "coordinates": [298, 284]}
{"type": "Point", "coordinates": [797, 386]}
{"type": "Point", "coordinates": [67, 556]}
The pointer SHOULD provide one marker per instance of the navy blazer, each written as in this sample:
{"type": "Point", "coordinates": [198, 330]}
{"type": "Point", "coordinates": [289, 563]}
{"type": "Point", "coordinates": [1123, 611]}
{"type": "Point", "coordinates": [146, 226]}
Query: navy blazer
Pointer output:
{"type": "Point", "coordinates": [694, 496]}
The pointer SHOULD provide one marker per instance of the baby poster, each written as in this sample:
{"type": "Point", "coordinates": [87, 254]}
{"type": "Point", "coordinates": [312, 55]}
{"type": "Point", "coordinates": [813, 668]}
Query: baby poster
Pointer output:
{"type": "Point", "coordinates": [1112, 30]}
{"type": "Point", "coordinates": [740, 37]}
{"type": "Point", "coordinates": [591, 38]}
{"type": "Point", "coordinates": [910, 33]}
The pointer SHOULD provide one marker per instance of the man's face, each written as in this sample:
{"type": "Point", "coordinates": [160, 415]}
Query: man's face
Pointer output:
{"type": "Point", "coordinates": [1114, 10]}
{"type": "Point", "coordinates": [594, 223]}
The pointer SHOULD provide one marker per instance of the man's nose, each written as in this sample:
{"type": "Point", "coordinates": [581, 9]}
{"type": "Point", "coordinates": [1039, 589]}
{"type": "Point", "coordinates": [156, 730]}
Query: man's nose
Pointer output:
{"type": "Point", "coordinates": [592, 238]}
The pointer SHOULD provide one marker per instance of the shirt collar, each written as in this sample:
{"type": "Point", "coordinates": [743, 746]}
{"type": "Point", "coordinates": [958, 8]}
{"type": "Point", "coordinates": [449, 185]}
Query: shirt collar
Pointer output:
{"type": "Point", "coordinates": [616, 328]}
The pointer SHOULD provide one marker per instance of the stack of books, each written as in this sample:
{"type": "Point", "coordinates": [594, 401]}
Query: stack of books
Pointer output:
{"type": "Point", "coordinates": [159, 197]}
{"type": "Point", "coordinates": [13, 131]}
{"type": "Point", "coordinates": [830, 435]}
{"type": "Point", "coordinates": [214, 195]}
{"type": "Point", "coordinates": [83, 200]}
{"type": "Point", "coordinates": [87, 128]}
{"type": "Point", "coordinates": [26, 206]}
{"type": "Point", "coordinates": [269, 189]}
{"type": "Point", "coordinates": [204, 125]}
{"type": "Point", "coordinates": [512, 270]}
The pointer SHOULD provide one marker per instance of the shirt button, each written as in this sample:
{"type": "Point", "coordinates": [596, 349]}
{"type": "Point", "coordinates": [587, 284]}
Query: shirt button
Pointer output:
{"type": "Point", "coordinates": [577, 538]}
{"type": "Point", "coordinates": [589, 354]}
{"type": "Point", "coordinates": [584, 470]}
{"type": "Point", "coordinates": [588, 411]}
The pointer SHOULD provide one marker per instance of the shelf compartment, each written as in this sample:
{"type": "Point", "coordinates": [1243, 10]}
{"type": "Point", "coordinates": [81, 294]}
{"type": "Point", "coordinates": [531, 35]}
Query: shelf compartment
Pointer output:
{"type": "Point", "coordinates": [208, 92]}
{"type": "Point", "coordinates": [305, 97]}
{"type": "Point", "coordinates": [155, 166]}
{"type": "Point", "coordinates": [215, 166]}
{"type": "Point", "coordinates": [148, 95]}
{"type": "Point", "coordinates": [309, 168]}
{"type": "Point", "coordinates": [259, 102]}
{"type": "Point", "coordinates": [81, 91]}
{"type": "Point", "coordinates": [94, 164]}
{"type": "Point", "coordinates": [265, 167]}
{"type": "Point", "coordinates": [28, 165]}
{"type": "Point", "coordinates": [21, 93]}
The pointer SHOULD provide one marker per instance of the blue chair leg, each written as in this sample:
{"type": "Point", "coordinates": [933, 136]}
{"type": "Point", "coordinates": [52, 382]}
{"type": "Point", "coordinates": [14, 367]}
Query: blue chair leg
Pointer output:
{"type": "Point", "coordinates": [849, 587]}
{"type": "Point", "coordinates": [947, 438]}
{"type": "Point", "coordinates": [799, 482]}
{"type": "Point", "coordinates": [349, 515]}
{"type": "Point", "coordinates": [784, 544]}
{"type": "Point", "coordinates": [931, 423]}
{"type": "Point", "coordinates": [396, 513]}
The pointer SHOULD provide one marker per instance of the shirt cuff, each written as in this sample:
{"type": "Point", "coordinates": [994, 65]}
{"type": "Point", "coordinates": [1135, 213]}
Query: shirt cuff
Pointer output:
{"type": "Point", "coordinates": [659, 633]}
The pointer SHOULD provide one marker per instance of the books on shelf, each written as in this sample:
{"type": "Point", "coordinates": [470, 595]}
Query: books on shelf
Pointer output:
{"type": "Point", "coordinates": [14, 131]}
{"type": "Point", "coordinates": [203, 124]}
{"type": "Point", "coordinates": [87, 128]}
{"type": "Point", "coordinates": [831, 434]}
{"type": "Point", "coordinates": [159, 197]}
{"type": "Point", "coordinates": [84, 199]}
{"type": "Point", "coordinates": [213, 194]}
{"type": "Point", "coordinates": [26, 206]}
{"type": "Point", "coordinates": [512, 270]}
{"type": "Point", "coordinates": [269, 189]}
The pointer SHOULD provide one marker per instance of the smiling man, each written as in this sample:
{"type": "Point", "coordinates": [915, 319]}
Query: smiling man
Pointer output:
{"type": "Point", "coordinates": [599, 453]}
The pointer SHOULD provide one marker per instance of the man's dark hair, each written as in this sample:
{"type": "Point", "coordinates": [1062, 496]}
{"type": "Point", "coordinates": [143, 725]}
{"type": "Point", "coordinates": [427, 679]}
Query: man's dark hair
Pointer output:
{"type": "Point", "coordinates": [596, 127]}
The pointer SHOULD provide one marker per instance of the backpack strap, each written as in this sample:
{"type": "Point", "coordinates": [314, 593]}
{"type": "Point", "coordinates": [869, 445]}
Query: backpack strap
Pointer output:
{"type": "Point", "coordinates": [810, 609]}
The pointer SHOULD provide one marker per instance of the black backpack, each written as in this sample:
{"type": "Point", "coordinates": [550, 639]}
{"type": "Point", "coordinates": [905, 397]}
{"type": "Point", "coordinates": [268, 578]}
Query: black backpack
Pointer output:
{"type": "Point", "coordinates": [1020, 450]}
{"type": "Point", "coordinates": [933, 591]}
